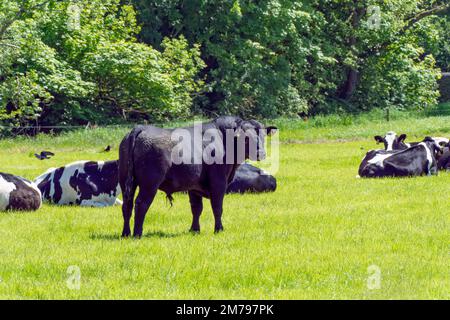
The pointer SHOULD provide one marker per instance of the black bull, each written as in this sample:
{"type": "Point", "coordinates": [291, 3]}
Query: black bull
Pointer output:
{"type": "Point", "coordinates": [145, 161]}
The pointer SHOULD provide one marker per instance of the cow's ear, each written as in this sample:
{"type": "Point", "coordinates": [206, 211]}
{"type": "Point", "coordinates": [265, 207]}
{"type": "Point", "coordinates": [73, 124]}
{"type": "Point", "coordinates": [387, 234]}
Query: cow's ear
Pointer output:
{"type": "Point", "coordinates": [379, 139]}
{"type": "Point", "coordinates": [402, 138]}
{"type": "Point", "coordinates": [271, 130]}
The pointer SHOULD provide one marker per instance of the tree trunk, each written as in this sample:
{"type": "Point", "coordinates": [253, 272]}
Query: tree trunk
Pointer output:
{"type": "Point", "coordinates": [350, 84]}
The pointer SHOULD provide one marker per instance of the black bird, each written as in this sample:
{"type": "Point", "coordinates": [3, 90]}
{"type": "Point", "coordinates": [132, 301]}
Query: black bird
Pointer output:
{"type": "Point", "coordinates": [44, 155]}
{"type": "Point", "coordinates": [107, 149]}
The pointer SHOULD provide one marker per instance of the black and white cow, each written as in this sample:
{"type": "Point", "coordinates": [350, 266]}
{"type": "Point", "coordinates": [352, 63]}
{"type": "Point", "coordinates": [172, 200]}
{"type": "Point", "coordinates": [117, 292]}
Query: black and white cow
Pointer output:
{"type": "Point", "coordinates": [17, 193]}
{"type": "Point", "coordinates": [392, 141]}
{"type": "Point", "coordinates": [417, 160]}
{"type": "Point", "coordinates": [249, 178]}
{"type": "Point", "coordinates": [84, 183]}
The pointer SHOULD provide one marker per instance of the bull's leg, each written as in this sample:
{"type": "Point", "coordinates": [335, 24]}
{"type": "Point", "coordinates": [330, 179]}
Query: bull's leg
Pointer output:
{"type": "Point", "coordinates": [143, 202]}
{"type": "Point", "coordinates": [217, 195]}
{"type": "Point", "coordinates": [127, 210]}
{"type": "Point", "coordinates": [196, 208]}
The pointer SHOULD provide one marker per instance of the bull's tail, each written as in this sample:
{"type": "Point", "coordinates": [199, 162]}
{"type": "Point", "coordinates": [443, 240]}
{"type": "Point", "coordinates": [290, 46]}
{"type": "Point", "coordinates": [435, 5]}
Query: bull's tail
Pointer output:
{"type": "Point", "coordinates": [128, 192]}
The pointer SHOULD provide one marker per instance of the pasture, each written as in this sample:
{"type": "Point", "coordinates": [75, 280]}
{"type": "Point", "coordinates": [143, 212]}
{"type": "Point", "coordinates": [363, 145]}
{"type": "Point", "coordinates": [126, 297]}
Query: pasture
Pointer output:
{"type": "Point", "coordinates": [314, 238]}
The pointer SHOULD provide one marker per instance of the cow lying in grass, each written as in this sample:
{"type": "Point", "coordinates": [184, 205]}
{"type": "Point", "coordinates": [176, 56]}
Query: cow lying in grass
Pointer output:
{"type": "Point", "coordinates": [84, 183]}
{"type": "Point", "coordinates": [96, 183]}
{"type": "Point", "coordinates": [249, 178]}
{"type": "Point", "coordinates": [392, 141]}
{"type": "Point", "coordinates": [17, 193]}
{"type": "Point", "coordinates": [417, 160]}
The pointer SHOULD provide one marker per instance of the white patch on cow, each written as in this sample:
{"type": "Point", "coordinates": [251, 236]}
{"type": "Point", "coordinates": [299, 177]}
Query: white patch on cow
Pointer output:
{"type": "Point", "coordinates": [118, 202]}
{"type": "Point", "coordinates": [408, 145]}
{"type": "Point", "coordinates": [390, 139]}
{"type": "Point", "coordinates": [379, 159]}
{"type": "Point", "coordinates": [100, 164]}
{"type": "Point", "coordinates": [5, 191]}
{"type": "Point", "coordinates": [70, 195]}
{"type": "Point", "coordinates": [102, 200]}
{"type": "Point", "coordinates": [441, 141]}
{"type": "Point", "coordinates": [429, 156]}
{"type": "Point", "coordinates": [93, 203]}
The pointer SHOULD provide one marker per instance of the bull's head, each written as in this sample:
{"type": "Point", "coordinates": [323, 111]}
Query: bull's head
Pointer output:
{"type": "Point", "coordinates": [253, 133]}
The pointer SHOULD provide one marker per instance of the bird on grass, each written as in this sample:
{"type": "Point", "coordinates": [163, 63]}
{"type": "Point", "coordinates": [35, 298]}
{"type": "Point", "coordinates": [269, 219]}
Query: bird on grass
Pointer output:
{"type": "Point", "coordinates": [44, 155]}
{"type": "Point", "coordinates": [107, 149]}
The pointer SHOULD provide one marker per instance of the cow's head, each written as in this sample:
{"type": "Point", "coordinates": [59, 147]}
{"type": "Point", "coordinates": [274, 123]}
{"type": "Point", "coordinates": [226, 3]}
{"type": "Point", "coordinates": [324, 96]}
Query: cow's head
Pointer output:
{"type": "Point", "coordinates": [434, 146]}
{"type": "Point", "coordinates": [443, 142]}
{"type": "Point", "coordinates": [392, 142]}
{"type": "Point", "coordinates": [254, 135]}
{"type": "Point", "coordinates": [247, 135]}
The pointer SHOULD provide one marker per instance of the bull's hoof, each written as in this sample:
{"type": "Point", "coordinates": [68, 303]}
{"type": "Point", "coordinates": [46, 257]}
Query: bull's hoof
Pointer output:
{"type": "Point", "coordinates": [125, 234]}
{"type": "Point", "coordinates": [218, 229]}
{"type": "Point", "coordinates": [194, 231]}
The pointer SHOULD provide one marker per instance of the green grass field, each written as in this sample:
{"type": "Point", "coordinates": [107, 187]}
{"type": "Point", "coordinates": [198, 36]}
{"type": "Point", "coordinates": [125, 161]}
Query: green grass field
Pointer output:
{"type": "Point", "coordinates": [314, 238]}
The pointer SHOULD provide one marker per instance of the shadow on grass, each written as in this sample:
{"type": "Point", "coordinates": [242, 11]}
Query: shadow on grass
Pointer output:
{"type": "Point", "coordinates": [151, 234]}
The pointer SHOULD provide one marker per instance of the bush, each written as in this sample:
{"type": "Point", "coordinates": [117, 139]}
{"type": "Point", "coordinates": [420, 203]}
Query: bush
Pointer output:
{"type": "Point", "coordinates": [95, 71]}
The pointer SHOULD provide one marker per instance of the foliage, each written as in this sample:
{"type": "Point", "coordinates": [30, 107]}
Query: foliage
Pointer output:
{"type": "Point", "coordinates": [400, 78]}
{"type": "Point", "coordinates": [66, 64]}
{"type": "Point", "coordinates": [278, 57]}
{"type": "Point", "coordinates": [73, 62]}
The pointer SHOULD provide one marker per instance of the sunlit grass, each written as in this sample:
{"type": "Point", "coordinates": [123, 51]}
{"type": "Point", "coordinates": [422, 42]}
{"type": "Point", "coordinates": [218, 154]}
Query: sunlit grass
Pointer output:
{"type": "Point", "coordinates": [315, 237]}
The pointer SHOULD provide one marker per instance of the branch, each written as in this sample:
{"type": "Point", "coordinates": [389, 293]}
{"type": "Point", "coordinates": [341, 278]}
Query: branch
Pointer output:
{"type": "Point", "coordinates": [409, 24]}
{"type": "Point", "coordinates": [9, 45]}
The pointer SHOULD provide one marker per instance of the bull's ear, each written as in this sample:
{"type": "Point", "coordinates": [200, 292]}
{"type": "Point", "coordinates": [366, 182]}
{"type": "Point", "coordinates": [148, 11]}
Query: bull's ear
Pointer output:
{"type": "Point", "coordinates": [402, 138]}
{"type": "Point", "coordinates": [271, 130]}
{"type": "Point", "coordinates": [378, 139]}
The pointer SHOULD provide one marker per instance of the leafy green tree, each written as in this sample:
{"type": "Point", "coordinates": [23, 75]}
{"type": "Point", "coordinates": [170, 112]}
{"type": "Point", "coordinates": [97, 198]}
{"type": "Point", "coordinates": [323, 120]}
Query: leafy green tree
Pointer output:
{"type": "Point", "coordinates": [73, 62]}
{"type": "Point", "coordinates": [280, 57]}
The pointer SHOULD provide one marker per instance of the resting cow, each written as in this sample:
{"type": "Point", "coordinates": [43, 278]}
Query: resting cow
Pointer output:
{"type": "Point", "coordinates": [17, 193]}
{"type": "Point", "coordinates": [148, 160]}
{"type": "Point", "coordinates": [85, 183]}
{"type": "Point", "coordinates": [415, 161]}
{"type": "Point", "coordinates": [393, 142]}
{"type": "Point", "coordinates": [249, 178]}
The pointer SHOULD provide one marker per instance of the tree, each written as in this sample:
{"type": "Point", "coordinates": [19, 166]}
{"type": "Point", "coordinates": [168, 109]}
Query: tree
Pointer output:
{"type": "Point", "coordinates": [279, 57]}
{"type": "Point", "coordinates": [366, 41]}
{"type": "Point", "coordinates": [70, 63]}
